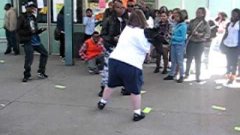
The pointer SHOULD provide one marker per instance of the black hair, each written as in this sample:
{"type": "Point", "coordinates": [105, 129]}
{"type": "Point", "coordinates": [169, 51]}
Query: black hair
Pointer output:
{"type": "Point", "coordinates": [62, 11]}
{"type": "Point", "coordinates": [8, 6]}
{"type": "Point", "coordinates": [204, 11]}
{"type": "Point", "coordinates": [182, 15]}
{"type": "Point", "coordinates": [163, 9]}
{"type": "Point", "coordinates": [95, 32]}
{"type": "Point", "coordinates": [237, 10]}
{"type": "Point", "coordinates": [89, 10]}
{"type": "Point", "coordinates": [117, 1]}
{"type": "Point", "coordinates": [185, 14]}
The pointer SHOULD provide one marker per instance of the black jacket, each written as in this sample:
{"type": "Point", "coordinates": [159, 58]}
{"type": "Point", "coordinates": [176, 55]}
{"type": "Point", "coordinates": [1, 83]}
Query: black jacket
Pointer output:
{"type": "Point", "coordinates": [24, 31]}
{"type": "Point", "coordinates": [111, 28]}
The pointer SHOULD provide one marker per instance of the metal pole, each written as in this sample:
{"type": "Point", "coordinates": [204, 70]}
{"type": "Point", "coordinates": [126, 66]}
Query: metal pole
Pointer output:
{"type": "Point", "coordinates": [68, 25]}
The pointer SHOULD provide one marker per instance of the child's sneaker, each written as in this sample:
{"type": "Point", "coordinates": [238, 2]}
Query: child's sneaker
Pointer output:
{"type": "Point", "coordinates": [137, 117]}
{"type": "Point", "coordinates": [101, 105]}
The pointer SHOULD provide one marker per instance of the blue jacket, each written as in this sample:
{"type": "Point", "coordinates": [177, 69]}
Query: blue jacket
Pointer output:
{"type": "Point", "coordinates": [179, 34]}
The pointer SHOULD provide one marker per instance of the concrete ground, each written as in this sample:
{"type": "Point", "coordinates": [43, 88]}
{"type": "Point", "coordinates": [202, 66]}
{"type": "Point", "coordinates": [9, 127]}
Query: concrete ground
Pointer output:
{"type": "Point", "coordinates": [38, 108]}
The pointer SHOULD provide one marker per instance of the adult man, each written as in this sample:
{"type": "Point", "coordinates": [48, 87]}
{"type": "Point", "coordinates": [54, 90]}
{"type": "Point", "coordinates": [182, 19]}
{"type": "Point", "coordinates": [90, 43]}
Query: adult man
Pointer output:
{"type": "Point", "coordinates": [10, 23]}
{"type": "Point", "coordinates": [28, 32]}
{"type": "Point", "coordinates": [92, 52]}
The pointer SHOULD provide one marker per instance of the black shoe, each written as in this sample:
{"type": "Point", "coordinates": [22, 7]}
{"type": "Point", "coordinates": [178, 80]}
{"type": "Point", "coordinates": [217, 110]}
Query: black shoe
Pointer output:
{"type": "Point", "coordinates": [156, 70]}
{"type": "Point", "coordinates": [180, 80]}
{"type": "Point", "coordinates": [125, 92]}
{"type": "Point", "coordinates": [16, 53]}
{"type": "Point", "coordinates": [100, 94]}
{"type": "Point", "coordinates": [164, 72]}
{"type": "Point", "coordinates": [24, 79]}
{"type": "Point", "coordinates": [42, 76]}
{"type": "Point", "coordinates": [186, 76]}
{"type": "Point", "coordinates": [7, 52]}
{"type": "Point", "coordinates": [198, 79]}
{"type": "Point", "coordinates": [169, 78]}
{"type": "Point", "coordinates": [137, 117]}
{"type": "Point", "coordinates": [101, 105]}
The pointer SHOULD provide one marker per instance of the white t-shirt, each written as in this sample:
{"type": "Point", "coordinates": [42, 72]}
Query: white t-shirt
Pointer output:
{"type": "Point", "coordinates": [232, 38]}
{"type": "Point", "coordinates": [132, 47]}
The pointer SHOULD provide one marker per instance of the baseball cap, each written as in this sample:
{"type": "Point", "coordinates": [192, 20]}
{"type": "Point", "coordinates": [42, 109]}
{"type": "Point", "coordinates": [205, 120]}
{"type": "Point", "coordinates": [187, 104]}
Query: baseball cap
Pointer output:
{"type": "Point", "coordinates": [30, 4]}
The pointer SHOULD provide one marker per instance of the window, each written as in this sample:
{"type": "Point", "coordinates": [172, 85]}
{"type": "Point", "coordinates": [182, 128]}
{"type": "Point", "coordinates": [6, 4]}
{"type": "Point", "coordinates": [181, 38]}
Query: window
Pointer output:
{"type": "Point", "coordinates": [77, 10]}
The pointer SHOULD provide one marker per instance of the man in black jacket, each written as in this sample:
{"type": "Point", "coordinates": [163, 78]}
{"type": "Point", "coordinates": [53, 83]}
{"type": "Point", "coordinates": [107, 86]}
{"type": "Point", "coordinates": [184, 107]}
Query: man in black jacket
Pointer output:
{"type": "Point", "coordinates": [111, 30]}
{"type": "Point", "coordinates": [28, 33]}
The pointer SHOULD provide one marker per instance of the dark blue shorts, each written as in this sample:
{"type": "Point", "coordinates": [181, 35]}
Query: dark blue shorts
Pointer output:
{"type": "Point", "coordinates": [123, 74]}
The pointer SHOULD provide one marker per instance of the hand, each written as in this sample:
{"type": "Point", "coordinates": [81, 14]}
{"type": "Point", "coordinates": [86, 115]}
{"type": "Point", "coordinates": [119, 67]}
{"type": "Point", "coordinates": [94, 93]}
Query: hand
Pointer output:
{"type": "Point", "coordinates": [43, 29]}
{"type": "Point", "coordinates": [116, 38]}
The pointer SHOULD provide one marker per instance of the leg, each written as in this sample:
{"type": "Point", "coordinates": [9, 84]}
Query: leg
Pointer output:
{"type": "Point", "coordinates": [228, 57]}
{"type": "Point", "coordinates": [9, 49]}
{"type": "Point", "coordinates": [173, 60]}
{"type": "Point", "coordinates": [180, 58]}
{"type": "Point", "coordinates": [199, 48]}
{"type": "Point", "coordinates": [100, 62]}
{"type": "Point", "coordinates": [165, 58]}
{"type": "Point", "coordinates": [104, 74]}
{"type": "Point", "coordinates": [92, 64]}
{"type": "Point", "coordinates": [43, 58]}
{"type": "Point", "coordinates": [173, 65]}
{"type": "Point", "coordinates": [28, 48]}
{"type": "Point", "coordinates": [62, 45]}
{"type": "Point", "coordinates": [14, 42]}
{"type": "Point", "coordinates": [189, 58]}
{"type": "Point", "coordinates": [158, 60]}
{"type": "Point", "coordinates": [234, 60]}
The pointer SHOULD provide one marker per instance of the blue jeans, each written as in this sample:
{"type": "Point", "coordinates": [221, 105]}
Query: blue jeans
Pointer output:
{"type": "Point", "coordinates": [12, 42]}
{"type": "Point", "coordinates": [177, 57]}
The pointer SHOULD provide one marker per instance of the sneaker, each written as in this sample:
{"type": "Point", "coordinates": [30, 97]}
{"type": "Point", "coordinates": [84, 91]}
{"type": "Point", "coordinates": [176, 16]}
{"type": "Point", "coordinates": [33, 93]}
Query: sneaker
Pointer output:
{"type": "Point", "coordinates": [137, 117]}
{"type": "Point", "coordinates": [7, 52]}
{"type": "Point", "coordinates": [169, 78]}
{"type": "Point", "coordinates": [180, 80]}
{"type": "Point", "coordinates": [101, 105]}
{"type": "Point", "coordinates": [125, 92]}
{"type": "Point", "coordinates": [42, 76]}
{"type": "Point", "coordinates": [164, 72]}
{"type": "Point", "coordinates": [186, 76]}
{"type": "Point", "coordinates": [26, 79]}
{"type": "Point", "coordinates": [156, 70]}
{"type": "Point", "coordinates": [100, 94]}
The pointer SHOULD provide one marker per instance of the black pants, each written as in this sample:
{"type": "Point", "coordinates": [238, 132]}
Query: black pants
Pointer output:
{"type": "Point", "coordinates": [232, 54]}
{"type": "Point", "coordinates": [62, 45]}
{"type": "Point", "coordinates": [29, 50]}
{"type": "Point", "coordinates": [194, 50]}
{"type": "Point", "coordinates": [12, 42]}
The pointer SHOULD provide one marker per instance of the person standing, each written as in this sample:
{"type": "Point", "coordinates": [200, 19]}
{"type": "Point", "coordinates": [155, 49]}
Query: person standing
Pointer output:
{"type": "Point", "coordinates": [231, 45]}
{"type": "Point", "coordinates": [198, 31]}
{"type": "Point", "coordinates": [10, 24]}
{"type": "Point", "coordinates": [165, 33]}
{"type": "Point", "coordinates": [28, 32]}
{"type": "Point", "coordinates": [60, 26]}
{"type": "Point", "coordinates": [126, 65]}
{"type": "Point", "coordinates": [89, 22]}
{"type": "Point", "coordinates": [178, 46]}
{"type": "Point", "coordinates": [111, 30]}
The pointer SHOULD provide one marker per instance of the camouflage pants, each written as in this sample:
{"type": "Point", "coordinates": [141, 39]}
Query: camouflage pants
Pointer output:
{"type": "Point", "coordinates": [104, 73]}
